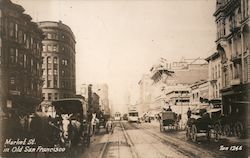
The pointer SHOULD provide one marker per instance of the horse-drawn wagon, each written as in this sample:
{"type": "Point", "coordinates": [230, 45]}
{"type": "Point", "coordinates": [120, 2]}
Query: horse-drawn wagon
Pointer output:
{"type": "Point", "coordinates": [204, 122]}
{"type": "Point", "coordinates": [73, 124]}
{"type": "Point", "coordinates": [168, 120]}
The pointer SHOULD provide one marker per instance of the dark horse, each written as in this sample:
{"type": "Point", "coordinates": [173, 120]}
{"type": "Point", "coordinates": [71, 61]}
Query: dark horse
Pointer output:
{"type": "Point", "coordinates": [42, 130]}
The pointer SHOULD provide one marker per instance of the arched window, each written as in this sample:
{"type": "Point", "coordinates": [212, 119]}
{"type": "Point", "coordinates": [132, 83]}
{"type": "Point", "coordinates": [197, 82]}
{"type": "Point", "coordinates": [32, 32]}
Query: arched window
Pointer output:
{"type": "Point", "coordinates": [49, 60]}
{"type": "Point", "coordinates": [55, 60]}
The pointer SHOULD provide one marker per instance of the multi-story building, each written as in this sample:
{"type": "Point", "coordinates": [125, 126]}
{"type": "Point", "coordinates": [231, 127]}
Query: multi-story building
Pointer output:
{"type": "Point", "coordinates": [199, 92]}
{"type": "Point", "coordinates": [214, 76]}
{"type": "Point", "coordinates": [20, 60]}
{"type": "Point", "coordinates": [102, 91]}
{"type": "Point", "coordinates": [171, 76]}
{"type": "Point", "coordinates": [58, 61]}
{"type": "Point", "coordinates": [145, 93]}
{"type": "Point", "coordinates": [84, 90]}
{"type": "Point", "coordinates": [232, 18]}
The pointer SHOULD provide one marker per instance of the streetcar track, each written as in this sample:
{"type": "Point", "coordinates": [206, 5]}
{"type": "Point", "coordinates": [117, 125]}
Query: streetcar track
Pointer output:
{"type": "Point", "coordinates": [130, 142]}
{"type": "Point", "coordinates": [104, 148]}
{"type": "Point", "coordinates": [181, 147]}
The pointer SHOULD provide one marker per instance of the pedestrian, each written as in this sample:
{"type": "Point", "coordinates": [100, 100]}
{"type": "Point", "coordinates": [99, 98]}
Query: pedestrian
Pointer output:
{"type": "Point", "coordinates": [109, 126]}
{"type": "Point", "coordinates": [169, 108]}
{"type": "Point", "coordinates": [189, 113]}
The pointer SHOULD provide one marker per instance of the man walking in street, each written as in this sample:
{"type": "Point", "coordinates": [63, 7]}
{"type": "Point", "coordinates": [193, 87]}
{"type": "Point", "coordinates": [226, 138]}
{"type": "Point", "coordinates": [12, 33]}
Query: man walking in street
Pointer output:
{"type": "Point", "coordinates": [189, 113]}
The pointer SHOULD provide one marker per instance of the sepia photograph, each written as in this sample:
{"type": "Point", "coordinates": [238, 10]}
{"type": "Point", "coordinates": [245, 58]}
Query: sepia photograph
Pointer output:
{"type": "Point", "coordinates": [124, 78]}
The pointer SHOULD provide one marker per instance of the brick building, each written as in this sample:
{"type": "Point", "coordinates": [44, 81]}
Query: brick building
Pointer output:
{"type": "Point", "coordinates": [20, 60]}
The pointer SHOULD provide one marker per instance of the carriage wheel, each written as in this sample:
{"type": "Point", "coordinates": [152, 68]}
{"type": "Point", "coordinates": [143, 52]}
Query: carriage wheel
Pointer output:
{"type": "Point", "coordinates": [227, 130]}
{"type": "Point", "coordinates": [217, 132]}
{"type": "Point", "coordinates": [194, 133]}
{"type": "Point", "coordinates": [239, 130]}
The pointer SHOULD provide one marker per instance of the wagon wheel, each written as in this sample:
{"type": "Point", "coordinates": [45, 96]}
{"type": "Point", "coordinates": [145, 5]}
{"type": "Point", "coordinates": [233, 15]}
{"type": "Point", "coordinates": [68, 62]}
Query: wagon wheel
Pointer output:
{"type": "Point", "coordinates": [227, 130]}
{"type": "Point", "coordinates": [239, 129]}
{"type": "Point", "coordinates": [217, 132]}
{"type": "Point", "coordinates": [194, 133]}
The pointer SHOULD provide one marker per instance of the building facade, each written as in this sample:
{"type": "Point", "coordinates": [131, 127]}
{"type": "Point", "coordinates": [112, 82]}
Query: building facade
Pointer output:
{"type": "Point", "coordinates": [58, 61]}
{"type": "Point", "coordinates": [170, 77]}
{"type": "Point", "coordinates": [145, 93]}
{"type": "Point", "coordinates": [232, 19]}
{"type": "Point", "coordinates": [214, 76]}
{"type": "Point", "coordinates": [20, 60]}
{"type": "Point", "coordinates": [199, 92]}
{"type": "Point", "coordinates": [103, 91]}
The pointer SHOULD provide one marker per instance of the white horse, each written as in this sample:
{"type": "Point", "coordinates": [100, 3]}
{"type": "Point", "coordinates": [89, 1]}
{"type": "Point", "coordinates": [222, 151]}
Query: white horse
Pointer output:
{"type": "Point", "coordinates": [70, 130]}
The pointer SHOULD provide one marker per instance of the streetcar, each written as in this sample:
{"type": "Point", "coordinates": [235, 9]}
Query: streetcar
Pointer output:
{"type": "Point", "coordinates": [133, 116]}
{"type": "Point", "coordinates": [117, 116]}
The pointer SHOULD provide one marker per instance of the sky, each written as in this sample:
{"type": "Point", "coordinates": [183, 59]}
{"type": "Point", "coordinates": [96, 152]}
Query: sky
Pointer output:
{"type": "Point", "coordinates": [119, 40]}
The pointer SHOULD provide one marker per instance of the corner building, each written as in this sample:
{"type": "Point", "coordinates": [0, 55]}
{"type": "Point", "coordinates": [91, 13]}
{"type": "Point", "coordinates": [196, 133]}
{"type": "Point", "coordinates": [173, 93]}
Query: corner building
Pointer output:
{"type": "Point", "coordinates": [58, 57]}
{"type": "Point", "coordinates": [20, 60]}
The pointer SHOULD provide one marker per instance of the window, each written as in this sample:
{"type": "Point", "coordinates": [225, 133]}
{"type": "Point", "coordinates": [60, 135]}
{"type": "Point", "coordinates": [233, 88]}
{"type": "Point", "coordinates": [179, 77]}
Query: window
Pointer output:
{"type": "Point", "coordinates": [49, 48]}
{"type": "Point", "coordinates": [55, 71]}
{"type": "Point", "coordinates": [63, 73]}
{"type": "Point", "coordinates": [12, 55]}
{"type": "Point", "coordinates": [44, 48]}
{"type": "Point", "coordinates": [64, 62]}
{"type": "Point", "coordinates": [16, 30]}
{"type": "Point", "coordinates": [24, 37]}
{"type": "Point", "coordinates": [56, 96]}
{"type": "Point", "coordinates": [55, 60]}
{"type": "Point", "coordinates": [49, 60]}
{"type": "Point", "coordinates": [43, 96]}
{"type": "Point", "coordinates": [11, 29]}
{"type": "Point", "coordinates": [20, 36]}
{"type": "Point", "coordinates": [27, 43]}
{"type": "Point", "coordinates": [54, 48]}
{"type": "Point", "coordinates": [55, 83]}
{"type": "Point", "coordinates": [31, 42]}
{"type": "Point", "coordinates": [49, 36]}
{"type": "Point", "coordinates": [12, 80]}
{"type": "Point", "coordinates": [215, 73]}
{"type": "Point", "coordinates": [49, 72]}
{"type": "Point", "coordinates": [49, 83]}
{"type": "Point", "coordinates": [212, 73]}
{"type": "Point", "coordinates": [219, 70]}
{"type": "Point", "coordinates": [16, 55]}
{"type": "Point", "coordinates": [31, 63]}
{"type": "Point", "coordinates": [49, 96]}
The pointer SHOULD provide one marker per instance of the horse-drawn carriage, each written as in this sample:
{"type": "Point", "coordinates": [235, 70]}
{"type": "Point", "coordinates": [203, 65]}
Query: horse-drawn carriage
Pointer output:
{"type": "Point", "coordinates": [168, 121]}
{"type": "Point", "coordinates": [204, 122]}
{"type": "Point", "coordinates": [72, 123]}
